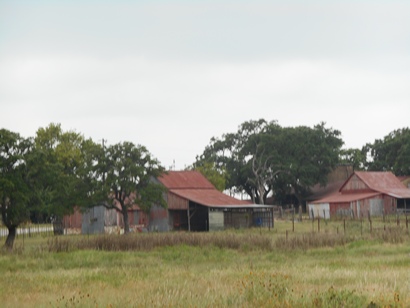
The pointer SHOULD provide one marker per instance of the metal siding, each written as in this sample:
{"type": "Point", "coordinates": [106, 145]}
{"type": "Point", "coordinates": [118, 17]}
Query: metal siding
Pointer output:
{"type": "Point", "coordinates": [376, 207]}
{"type": "Point", "coordinates": [340, 209]}
{"type": "Point", "coordinates": [185, 180]}
{"type": "Point", "coordinates": [93, 221]}
{"type": "Point", "coordinates": [319, 210]}
{"type": "Point", "coordinates": [354, 184]}
{"type": "Point", "coordinates": [158, 219]}
{"type": "Point", "coordinates": [216, 220]}
{"type": "Point", "coordinates": [176, 202]}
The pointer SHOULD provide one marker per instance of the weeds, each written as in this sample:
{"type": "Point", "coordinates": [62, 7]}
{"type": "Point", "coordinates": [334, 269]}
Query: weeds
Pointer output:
{"type": "Point", "coordinates": [147, 242]}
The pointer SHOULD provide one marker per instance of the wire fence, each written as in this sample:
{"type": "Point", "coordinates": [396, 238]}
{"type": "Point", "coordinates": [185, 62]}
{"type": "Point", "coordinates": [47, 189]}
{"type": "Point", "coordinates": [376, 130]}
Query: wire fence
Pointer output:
{"type": "Point", "coordinates": [29, 231]}
{"type": "Point", "coordinates": [364, 223]}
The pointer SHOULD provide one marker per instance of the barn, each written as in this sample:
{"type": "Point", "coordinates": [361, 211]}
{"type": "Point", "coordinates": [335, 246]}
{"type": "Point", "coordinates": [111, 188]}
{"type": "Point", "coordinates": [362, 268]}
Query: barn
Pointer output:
{"type": "Point", "coordinates": [194, 204]}
{"type": "Point", "coordinates": [363, 194]}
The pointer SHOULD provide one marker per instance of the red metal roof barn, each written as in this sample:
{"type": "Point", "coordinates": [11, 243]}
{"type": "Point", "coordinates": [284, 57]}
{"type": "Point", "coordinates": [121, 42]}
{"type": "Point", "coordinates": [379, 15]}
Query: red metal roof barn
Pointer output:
{"type": "Point", "coordinates": [362, 194]}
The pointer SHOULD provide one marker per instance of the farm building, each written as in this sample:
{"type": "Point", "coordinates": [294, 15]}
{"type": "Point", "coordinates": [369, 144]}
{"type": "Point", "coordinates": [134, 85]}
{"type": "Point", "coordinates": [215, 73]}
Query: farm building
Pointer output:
{"type": "Point", "coordinates": [99, 219]}
{"type": "Point", "coordinates": [362, 194]}
{"type": "Point", "coordinates": [194, 204]}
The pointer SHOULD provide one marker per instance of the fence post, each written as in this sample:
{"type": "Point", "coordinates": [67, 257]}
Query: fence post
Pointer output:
{"type": "Point", "coordinates": [344, 225]}
{"type": "Point", "coordinates": [300, 213]}
{"type": "Point", "coordinates": [361, 226]}
{"type": "Point", "coordinates": [370, 221]}
{"type": "Point", "coordinates": [293, 220]}
{"type": "Point", "coordinates": [318, 223]}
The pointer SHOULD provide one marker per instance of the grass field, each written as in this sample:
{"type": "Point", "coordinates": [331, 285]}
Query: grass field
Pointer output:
{"type": "Point", "coordinates": [245, 268]}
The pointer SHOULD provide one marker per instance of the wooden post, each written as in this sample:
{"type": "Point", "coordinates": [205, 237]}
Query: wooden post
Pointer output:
{"type": "Point", "coordinates": [300, 213]}
{"type": "Point", "coordinates": [344, 226]}
{"type": "Point", "coordinates": [318, 223]}
{"type": "Point", "coordinates": [370, 221]}
{"type": "Point", "coordinates": [361, 226]}
{"type": "Point", "coordinates": [189, 219]}
{"type": "Point", "coordinates": [293, 220]}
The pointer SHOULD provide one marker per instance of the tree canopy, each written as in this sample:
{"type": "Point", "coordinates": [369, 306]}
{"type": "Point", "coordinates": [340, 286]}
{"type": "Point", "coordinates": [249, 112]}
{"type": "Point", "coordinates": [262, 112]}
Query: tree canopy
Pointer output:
{"type": "Point", "coordinates": [392, 153]}
{"type": "Point", "coordinates": [124, 176]}
{"type": "Point", "coordinates": [263, 158]}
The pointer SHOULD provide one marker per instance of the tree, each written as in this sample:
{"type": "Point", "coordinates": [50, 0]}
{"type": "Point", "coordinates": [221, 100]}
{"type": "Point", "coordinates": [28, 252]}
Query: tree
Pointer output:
{"type": "Point", "coordinates": [263, 158]}
{"type": "Point", "coordinates": [218, 177]}
{"type": "Point", "coordinates": [15, 184]}
{"type": "Point", "coordinates": [354, 157]}
{"type": "Point", "coordinates": [233, 155]}
{"type": "Point", "coordinates": [125, 176]}
{"type": "Point", "coordinates": [41, 176]}
{"type": "Point", "coordinates": [61, 169]}
{"type": "Point", "coordinates": [309, 155]}
{"type": "Point", "coordinates": [392, 153]}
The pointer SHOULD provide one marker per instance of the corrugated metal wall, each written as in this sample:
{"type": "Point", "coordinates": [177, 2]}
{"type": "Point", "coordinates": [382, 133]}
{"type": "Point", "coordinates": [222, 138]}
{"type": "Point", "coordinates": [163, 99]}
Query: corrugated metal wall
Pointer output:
{"type": "Point", "coordinates": [159, 219]}
{"type": "Point", "coordinates": [93, 220]}
{"type": "Point", "coordinates": [176, 203]}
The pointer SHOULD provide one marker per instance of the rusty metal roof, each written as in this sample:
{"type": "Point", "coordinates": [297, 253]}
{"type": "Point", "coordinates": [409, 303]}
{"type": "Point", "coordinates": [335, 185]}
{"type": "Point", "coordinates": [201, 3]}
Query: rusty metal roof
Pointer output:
{"type": "Point", "coordinates": [377, 182]}
{"type": "Point", "coordinates": [384, 182]}
{"type": "Point", "coordinates": [194, 187]}
{"type": "Point", "coordinates": [343, 198]}
{"type": "Point", "coordinates": [185, 180]}
{"type": "Point", "coordinates": [209, 197]}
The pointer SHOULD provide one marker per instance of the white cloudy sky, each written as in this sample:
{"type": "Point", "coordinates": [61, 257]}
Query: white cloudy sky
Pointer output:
{"type": "Point", "coordinates": [172, 74]}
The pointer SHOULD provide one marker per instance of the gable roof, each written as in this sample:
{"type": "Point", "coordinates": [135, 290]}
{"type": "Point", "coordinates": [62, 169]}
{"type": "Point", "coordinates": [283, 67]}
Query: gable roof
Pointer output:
{"type": "Point", "coordinates": [185, 180]}
{"type": "Point", "coordinates": [384, 182]}
{"type": "Point", "coordinates": [378, 183]}
{"type": "Point", "coordinates": [193, 186]}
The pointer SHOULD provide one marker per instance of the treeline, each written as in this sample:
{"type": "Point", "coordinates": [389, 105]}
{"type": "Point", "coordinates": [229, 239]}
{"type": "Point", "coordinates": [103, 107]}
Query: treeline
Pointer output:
{"type": "Point", "coordinates": [263, 159]}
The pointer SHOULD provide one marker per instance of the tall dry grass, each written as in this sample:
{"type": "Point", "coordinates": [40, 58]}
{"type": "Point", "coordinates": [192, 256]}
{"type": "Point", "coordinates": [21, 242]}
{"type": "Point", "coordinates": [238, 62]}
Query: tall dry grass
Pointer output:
{"type": "Point", "coordinates": [150, 241]}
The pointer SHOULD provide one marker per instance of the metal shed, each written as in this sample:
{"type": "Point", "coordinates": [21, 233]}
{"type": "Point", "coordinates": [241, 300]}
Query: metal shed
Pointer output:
{"type": "Point", "coordinates": [194, 204]}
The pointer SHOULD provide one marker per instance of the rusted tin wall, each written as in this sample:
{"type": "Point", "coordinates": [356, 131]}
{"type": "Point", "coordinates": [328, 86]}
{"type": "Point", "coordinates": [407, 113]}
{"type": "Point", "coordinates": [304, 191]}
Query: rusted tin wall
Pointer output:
{"type": "Point", "coordinates": [355, 184]}
{"type": "Point", "coordinates": [176, 203]}
{"type": "Point", "coordinates": [389, 204]}
{"type": "Point", "coordinates": [74, 220]}
{"type": "Point", "coordinates": [159, 219]}
{"type": "Point", "coordinates": [340, 210]}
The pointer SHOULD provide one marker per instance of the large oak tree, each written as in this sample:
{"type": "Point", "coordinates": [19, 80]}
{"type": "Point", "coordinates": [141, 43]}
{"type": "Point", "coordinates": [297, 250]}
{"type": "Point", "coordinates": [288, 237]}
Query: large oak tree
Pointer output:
{"type": "Point", "coordinates": [263, 158]}
{"type": "Point", "coordinates": [125, 175]}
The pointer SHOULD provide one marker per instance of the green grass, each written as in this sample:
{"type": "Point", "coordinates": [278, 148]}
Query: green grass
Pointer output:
{"type": "Point", "coordinates": [365, 270]}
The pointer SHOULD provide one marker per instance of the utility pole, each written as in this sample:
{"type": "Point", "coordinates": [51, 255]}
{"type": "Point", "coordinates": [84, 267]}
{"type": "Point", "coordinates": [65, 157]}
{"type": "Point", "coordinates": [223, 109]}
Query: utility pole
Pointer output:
{"type": "Point", "coordinates": [104, 166]}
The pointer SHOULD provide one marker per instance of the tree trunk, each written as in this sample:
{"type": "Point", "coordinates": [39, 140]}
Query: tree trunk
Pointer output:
{"type": "Point", "coordinates": [126, 222]}
{"type": "Point", "coordinates": [10, 237]}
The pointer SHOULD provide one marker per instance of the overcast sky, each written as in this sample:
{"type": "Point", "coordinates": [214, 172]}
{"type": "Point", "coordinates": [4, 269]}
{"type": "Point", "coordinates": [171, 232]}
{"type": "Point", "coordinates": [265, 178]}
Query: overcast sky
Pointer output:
{"type": "Point", "coordinates": [172, 74]}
